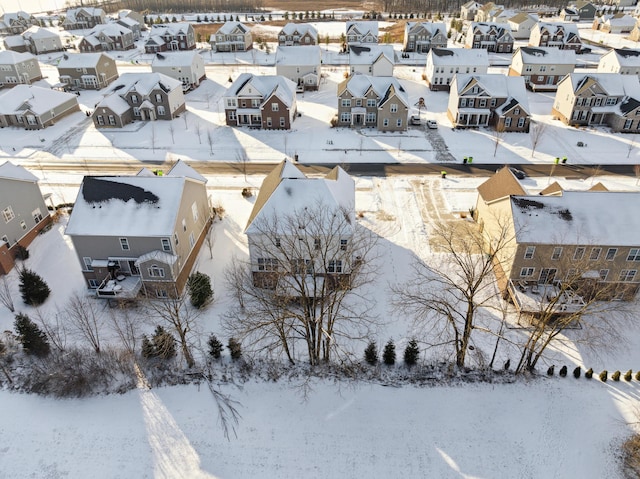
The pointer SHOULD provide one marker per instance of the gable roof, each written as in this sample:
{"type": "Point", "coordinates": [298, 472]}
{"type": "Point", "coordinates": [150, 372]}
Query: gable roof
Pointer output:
{"type": "Point", "coordinates": [553, 189]}
{"type": "Point", "coordinates": [500, 185]}
{"type": "Point", "coordinates": [143, 83]}
{"type": "Point", "coordinates": [39, 32]}
{"type": "Point", "coordinates": [369, 54]}
{"type": "Point", "coordinates": [459, 56]}
{"type": "Point", "coordinates": [33, 98]}
{"type": "Point", "coordinates": [299, 55]}
{"type": "Point", "coordinates": [181, 169]}
{"type": "Point", "coordinates": [231, 26]}
{"type": "Point", "coordinates": [286, 190]}
{"type": "Point", "coordinates": [181, 58]}
{"type": "Point", "coordinates": [363, 27]}
{"type": "Point", "coordinates": [9, 57]}
{"type": "Point", "coordinates": [497, 86]}
{"type": "Point", "coordinates": [358, 85]}
{"type": "Point", "coordinates": [301, 28]}
{"type": "Point", "coordinates": [81, 60]}
{"type": "Point", "coordinates": [15, 172]}
{"type": "Point", "coordinates": [265, 85]}
{"type": "Point", "coordinates": [612, 83]}
{"type": "Point", "coordinates": [432, 27]}
{"type": "Point", "coordinates": [546, 56]}
{"type": "Point", "coordinates": [179, 28]}
{"type": "Point", "coordinates": [626, 57]}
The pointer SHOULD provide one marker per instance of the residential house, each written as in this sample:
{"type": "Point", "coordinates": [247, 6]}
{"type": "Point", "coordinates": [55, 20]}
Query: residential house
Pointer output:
{"type": "Point", "coordinates": [542, 67]}
{"type": "Point", "coordinates": [622, 3]}
{"type": "Point", "coordinates": [361, 32]}
{"type": "Point", "coordinates": [170, 37]}
{"type": "Point", "coordinates": [87, 71]}
{"type": "Point", "coordinates": [522, 24]}
{"type": "Point", "coordinates": [284, 197]}
{"type": "Point", "coordinates": [231, 37]}
{"type": "Point", "coordinates": [133, 25]}
{"type": "Point", "coordinates": [564, 36]}
{"type": "Point", "coordinates": [490, 100]}
{"type": "Point", "coordinates": [186, 67]}
{"type": "Point", "coordinates": [375, 60]}
{"type": "Point", "coordinates": [614, 23]}
{"type": "Point", "coordinates": [24, 212]}
{"type": "Point", "coordinates": [557, 238]}
{"type": "Point", "coordinates": [33, 108]}
{"type": "Point", "coordinates": [36, 40]}
{"type": "Point", "coordinates": [620, 60]}
{"type": "Point", "coordinates": [569, 14]}
{"type": "Point", "coordinates": [83, 18]}
{"type": "Point", "coordinates": [140, 234]}
{"type": "Point", "coordinates": [585, 10]}
{"type": "Point", "coordinates": [139, 96]}
{"type": "Point", "coordinates": [493, 37]}
{"type": "Point", "coordinates": [423, 36]}
{"type": "Point", "coordinates": [635, 33]}
{"type": "Point", "coordinates": [297, 34]}
{"type": "Point", "coordinates": [18, 68]}
{"type": "Point", "coordinates": [444, 63]}
{"type": "Point", "coordinates": [599, 99]}
{"type": "Point", "coordinates": [469, 10]}
{"type": "Point", "coordinates": [492, 13]}
{"type": "Point", "coordinates": [301, 64]}
{"type": "Point", "coordinates": [107, 37]}
{"type": "Point", "coordinates": [14, 23]}
{"type": "Point", "coordinates": [373, 102]}
{"type": "Point", "coordinates": [261, 101]}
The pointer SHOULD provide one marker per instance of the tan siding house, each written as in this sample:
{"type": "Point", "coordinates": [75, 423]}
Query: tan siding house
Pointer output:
{"type": "Point", "coordinates": [542, 67]}
{"type": "Point", "coordinates": [88, 71]}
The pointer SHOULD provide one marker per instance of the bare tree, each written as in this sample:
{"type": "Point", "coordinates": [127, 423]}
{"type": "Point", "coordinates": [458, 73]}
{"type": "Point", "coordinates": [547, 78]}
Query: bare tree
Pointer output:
{"type": "Point", "coordinates": [153, 138]}
{"type": "Point", "coordinates": [210, 141]}
{"type": "Point", "coordinates": [243, 160]}
{"type": "Point", "coordinates": [186, 121]}
{"type": "Point", "coordinates": [631, 145]}
{"type": "Point", "coordinates": [126, 326]}
{"type": "Point", "coordinates": [172, 131]}
{"type": "Point", "coordinates": [537, 132]}
{"type": "Point", "coordinates": [306, 285]}
{"type": "Point", "coordinates": [86, 318]}
{"type": "Point", "coordinates": [498, 136]}
{"type": "Point", "coordinates": [54, 326]}
{"type": "Point", "coordinates": [198, 128]}
{"type": "Point", "coordinates": [444, 297]}
{"type": "Point", "coordinates": [5, 294]}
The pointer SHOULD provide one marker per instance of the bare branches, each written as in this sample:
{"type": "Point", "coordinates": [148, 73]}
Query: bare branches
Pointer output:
{"type": "Point", "coordinates": [6, 298]}
{"type": "Point", "coordinates": [537, 132]}
{"type": "Point", "coordinates": [85, 317]}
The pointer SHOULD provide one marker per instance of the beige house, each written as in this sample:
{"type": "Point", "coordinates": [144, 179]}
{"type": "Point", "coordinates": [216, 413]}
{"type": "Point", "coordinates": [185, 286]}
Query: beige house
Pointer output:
{"type": "Point", "coordinates": [14, 23]}
{"type": "Point", "coordinates": [374, 60]}
{"type": "Point", "coordinates": [297, 34]}
{"type": "Point", "coordinates": [564, 36]}
{"type": "Point", "coordinates": [373, 102]}
{"type": "Point", "coordinates": [521, 25]}
{"type": "Point", "coordinates": [444, 63]}
{"type": "Point", "coordinates": [140, 234]}
{"type": "Point", "coordinates": [469, 10]}
{"type": "Point", "coordinates": [558, 236]}
{"type": "Point", "coordinates": [542, 67]}
{"type": "Point", "coordinates": [423, 36]}
{"type": "Point", "coordinates": [301, 64]}
{"type": "Point", "coordinates": [599, 99]}
{"type": "Point", "coordinates": [614, 23]}
{"type": "Point", "coordinates": [34, 108]}
{"type": "Point", "coordinates": [87, 71]}
{"type": "Point", "coordinates": [490, 100]}
{"type": "Point", "coordinates": [36, 40]}
{"type": "Point", "coordinates": [18, 68]}
{"type": "Point", "coordinates": [620, 60]}
{"type": "Point", "coordinates": [493, 37]}
{"type": "Point", "coordinates": [186, 67]}
{"type": "Point", "coordinates": [231, 37]}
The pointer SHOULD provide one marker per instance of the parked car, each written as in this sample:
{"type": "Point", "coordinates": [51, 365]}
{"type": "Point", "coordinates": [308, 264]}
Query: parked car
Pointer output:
{"type": "Point", "coordinates": [432, 125]}
{"type": "Point", "coordinates": [415, 120]}
{"type": "Point", "coordinates": [521, 175]}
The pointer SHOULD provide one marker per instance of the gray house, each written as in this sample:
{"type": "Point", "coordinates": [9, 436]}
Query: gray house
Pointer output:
{"type": "Point", "coordinates": [104, 38]}
{"type": "Point", "coordinates": [423, 36]}
{"type": "Point", "coordinates": [83, 18]}
{"type": "Point", "coordinates": [139, 96]}
{"type": "Point", "coordinates": [33, 107]}
{"type": "Point", "coordinates": [18, 68]}
{"type": "Point", "coordinates": [36, 40]}
{"type": "Point", "coordinates": [301, 65]}
{"type": "Point", "coordinates": [14, 23]}
{"type": "Point", "coordinates": [140, 234]}
{"type": "Point", "coordinates": [24, 213]}
{"type": "Point", "coordinates": [88, 71]}
{"type": "Point", "coordinates": [186, 67]}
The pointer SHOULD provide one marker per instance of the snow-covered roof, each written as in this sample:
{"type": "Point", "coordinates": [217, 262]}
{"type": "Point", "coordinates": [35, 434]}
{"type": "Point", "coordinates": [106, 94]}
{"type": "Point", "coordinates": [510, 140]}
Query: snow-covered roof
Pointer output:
{"type": "Point", "coordinates": [173, 29]}
{"type": "Point", "coordinates": [287, 190]}
{"type": "Point", "coordinates": [14, 41]}
{"type": "Point", "coordinates": [522, 17]}
{"type": "Point", "coordinates": [298, 55]}
{"type": "Point", "coordinates": [497, 86]}
{"type": "Point", "coordinates": [363, 27]}
{"type": "Point", "coordinates": [175, 59]}
{"type": "Point", "coordinates": [266, 85]}
{"type": "Point", "coordinates": [486, 27]}
{"type": "Point", "coordinates": [9, 57]}
{"type": "Point", "coordinates": [110, 29]}
{"type": "Point", "coordinates": [459, 56]}
{"type": "Point", "coordinates": [39, 33]}
{"type": "Point", "coordinates": [625, 56]}
{"type": "Point", "coordinates": [72, 13]}
{"type": "Point", "coordinates": [128, 21]}
{"type": "Point", "coordinates": [367, 54]}
{"type": "Point", "coordinates": [554, 27]}
{"type": "Point", "coordinates": [577, 217]}
{"type": "Point", "coordinates": [231, 26]}
{"type": "Point", "coordinates": [613, 83]}
{"type": "Point", "coordinates": [126, 206]}
{"type": "Point", "coordinates": [115, 103]}
{"type": "Point", "coordinates": [81, 60]}
{"type": "Point", "coordinates": [143, 83]}
{"type": "Point", "coordinates": [546, 56]}
{"type": "Point", "coordinates": [301, 28]}
{"type": "Point", "coordinates": [13, 16]}
{"type": "Point", "coordinates": [157, 255]}
{"type": "Point", "coordinates": [15, 172]}
{"type": "Point", "coordinates": [33, 98]}
{"type": "Point", "coordinates": [432, 27]}
{"type": "Point", "coordinates": [181, 169]}
{"type": "Point", "coordinates": [358, 85]}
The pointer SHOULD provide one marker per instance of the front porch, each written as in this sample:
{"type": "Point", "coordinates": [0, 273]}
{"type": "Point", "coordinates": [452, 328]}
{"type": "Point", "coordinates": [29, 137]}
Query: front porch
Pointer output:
{"type": "Point", "coordinates": [120, 286]}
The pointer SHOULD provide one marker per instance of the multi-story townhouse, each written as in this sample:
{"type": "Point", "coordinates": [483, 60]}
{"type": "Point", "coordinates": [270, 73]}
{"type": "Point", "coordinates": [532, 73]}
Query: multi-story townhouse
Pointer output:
{"type": "Point", "coordinates": [542, 67]}
{"type": "Point", "coordinates": [444, 63]}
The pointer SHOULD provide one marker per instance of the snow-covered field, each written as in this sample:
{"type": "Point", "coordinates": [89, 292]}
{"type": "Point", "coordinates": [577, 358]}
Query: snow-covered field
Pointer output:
{"type": "Point", "coordinates": [544, 428]}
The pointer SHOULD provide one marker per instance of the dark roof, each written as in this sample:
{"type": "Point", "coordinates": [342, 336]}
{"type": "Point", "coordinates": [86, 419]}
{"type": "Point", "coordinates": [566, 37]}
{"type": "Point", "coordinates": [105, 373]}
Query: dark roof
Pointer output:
{"type": "Point", "coordinates": [534, 51]}
{"type": "Point", "coordinates": [442, 52]}
{"type": "Point", "coordinates": [629, 104]}
{"type": "Point", "coordinates": [357, 49]}
{"type": "Point", "coordinates": [96, 190]}
{"type": "Point", "coordinates": [508, 106]}
{"type": "Point", "coordinates": [627, 52]}
{"type": "Point", "coordinates": [249, 77]}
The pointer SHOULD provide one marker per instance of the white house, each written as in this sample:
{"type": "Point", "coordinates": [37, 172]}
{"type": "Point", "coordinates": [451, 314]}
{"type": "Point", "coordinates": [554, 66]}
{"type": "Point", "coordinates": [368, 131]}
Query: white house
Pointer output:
{"type": "Point", "coordinates": [301, 65]}
{"type": "Point", "coordinates": [620, 60]}
{"type": "Point", "coordinates": [522, 24]}
{"type": "Point", "coordinates": [374, 60]}
{"type": "Point", "coordinates": [542, 67]}
{"type": "Point", "coordinates": [444, 63]}
{"type": "Point", "coordinates": [186, 67]}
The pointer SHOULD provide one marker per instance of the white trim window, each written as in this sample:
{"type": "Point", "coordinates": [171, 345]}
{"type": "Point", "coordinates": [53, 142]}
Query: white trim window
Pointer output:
{"type": "Point", "coordinates": [611, 254]}
{"type": "Point", "coordinates": [194, 211]}
{"type": "Point", "coordinates": [334, 266]}
{"type": "Point", "coordinates": [634, 254]}
{"type": "Point", "coordinates": [156, 271]}
{"type": "Point", "coordinates": [192, 239]}
{"type": "Point", "coordinates": [579, 253]}
{"type": "Point", "coordinates": [595, 254]}
{"type": "Point", "coordinates": [161, 293]}
{"type": "Point", "coordinates": [8, 214]}
{"type": "Point", "coordinates": [166, 244]}
{"type": "Point", "coordinates": [124, 244]}
{"type": "Point", "coordinates": [557, 253]}
{"type": "Point", "coordinates": [268, 264]}
{"type": "Point", "coordinates": [87, 263]}
{"type": "Point", "coordinates": [527, 272]}
{"type": "Point", "coordinates": [529, 252]}
{"type": "Point", "coordinates": [627, 275]}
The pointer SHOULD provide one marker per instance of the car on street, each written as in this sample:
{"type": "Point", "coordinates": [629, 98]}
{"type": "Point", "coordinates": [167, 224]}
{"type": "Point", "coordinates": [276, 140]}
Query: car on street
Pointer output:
{"type": "Point", "coordinates": [415, 120]}
{"type": "Point", "coordinates": [432, 125]}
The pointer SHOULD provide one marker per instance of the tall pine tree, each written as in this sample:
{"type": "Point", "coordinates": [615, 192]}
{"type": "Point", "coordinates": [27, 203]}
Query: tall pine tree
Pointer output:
{"type": "Point", "coordinates": [389, 353]}
{"type": "Point", "coordinates": [33, 289]}
{"type": "Point", "coordinates": [411, 353]}
{"type": "Point", "coordinates": [33, 340]}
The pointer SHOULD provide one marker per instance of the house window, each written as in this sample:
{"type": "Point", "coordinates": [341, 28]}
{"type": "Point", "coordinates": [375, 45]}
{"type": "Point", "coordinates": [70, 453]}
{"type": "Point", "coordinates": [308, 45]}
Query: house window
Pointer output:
{"type": "Point", "coordinates": [231, 103]}
{"type": "Point", "coordinates": [371, 118]}
{"type": "Point", "coordinates": [547, 275]}
{"type": "Point", "coordinates": [161, 293]}
{"type": "Point", "coordinates": [301, 266]}
{"type": "Point", "coordinates": [595, 254]}
{"type": "Point", "coordinates": [23, 225]}
{"type": "Point", "coordinates": [603, 274]}
{"type": "Point", "coordinates": [493, 102]}
{"type": "Point", "coordinates": [345, 117]}
{"type": "Point", "coordinates": [482, 103]}
{"type": "Point", "coordinates": [627, 275]}
{"type": "Point", "coordinates": [385, 122]}
{"type": "Point", "coordinates": [166, 244]}
{"type": "Point", "coordinates": [627, 124]}
{"type": "Point", "coordinates": [192, 239]}
{"type": "Point", "coordinates": [507, 122]}
{"type": "Point", "coordinates": [611, 254]}
{"type": "Point", "coordinates": [520, 122]}
{"type": "Point", "coordinates": [359, 102]}
{"type": "Point", "coordinates": [346, 102]}
{"type": "Point", "coordinates": [136, 111]}
{"type": "Point", "coordinates": [93, 283]}
{"type": "Point", "coordinates": [124, 244]}
{"type": "Point", "coordinates": [579, 253]}
{"type": "Point", "coordinates": [634, 254]}
{"type": "Point", "coordinates": [269, 122]}
{"type": "Point", "coordinates": [175, 238]}
{"type": "Point", "coordinates": [268, 264]}
{"type": "Point", "coordinates": [393, 108]}
{"type": "Point", "coordinates": [529, 252]}
{"type": "Point", "coordinates": [317, 243]}
{"type": "Point", "coordinates": [134, 99]}
{"type": "Point", "coordinates": [343, 244]}
{"type": "Point", "coordinates": [275, 107]}
{"type": "Point", "coordinates": [161, 110]}
{"type": "Point", "coordinates": [334, 266]}
{"type": "Point", "coordinates": [557, 252]}
{"type": "Point", "coordinates": [463, 102]}
{"type": "Point", "coordinates": [7, 214]}
{"type": "Point", "coordinates": [232, 116]}
{"type": "Point", "coordinates": [526, 272]}
{"type": "Point", "coordinates": [277, 242]}
{"type": "Point", "coordinates": [156, 271]}
{"type": "Point", "coordinates": [87, 263]}
{"type": "Point", "coordinates": [371, 102]}
{"type": "Point", "coordinates": [112, 120]}
{"type": "Point", "coordinates": [184, 225]}
{"type": "Point", "coordinates": [100, 119]}
{"type": "Point", "coordinates": [37, 215]}
{"type": "Point", "coordinates": [282, 122]}
{"type": "Point", "coordinates": [194, 211]}
{"type": "Point", "coordinates": [399, 122]}
{"type": "Point", "coordinates": [158, 97]}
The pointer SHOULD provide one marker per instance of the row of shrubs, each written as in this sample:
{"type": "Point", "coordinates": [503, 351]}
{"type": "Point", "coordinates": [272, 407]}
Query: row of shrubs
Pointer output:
{"type": "Point", "coordinates": [411, 353]}
{"type": "Point", "coordinates": [604, 375]}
